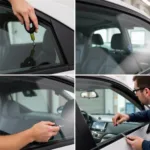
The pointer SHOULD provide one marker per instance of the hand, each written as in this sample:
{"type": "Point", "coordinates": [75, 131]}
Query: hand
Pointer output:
{"type": "Point", "coordinates": [23, 11]}
{"type": "Point", "coordinates": [43, 131]}
{"type": "Point", "coordinates": [135, 142]}
{"type": "Point", "coordinates": [119, 118]}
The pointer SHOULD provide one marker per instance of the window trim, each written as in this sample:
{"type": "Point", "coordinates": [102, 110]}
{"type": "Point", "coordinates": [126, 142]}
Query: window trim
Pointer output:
{"type": "Point", "coordinates": [113, 6]}
{"type": "Point", "coordinates": [117, 85]}
{"type": "Point", "coordinates": [48, 69]}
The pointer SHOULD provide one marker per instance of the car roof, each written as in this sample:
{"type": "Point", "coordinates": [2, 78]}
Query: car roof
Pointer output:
{"type": "Point", "coordinates": [128, 6]}
{"type": "Point", "coordinates": [61, 10]}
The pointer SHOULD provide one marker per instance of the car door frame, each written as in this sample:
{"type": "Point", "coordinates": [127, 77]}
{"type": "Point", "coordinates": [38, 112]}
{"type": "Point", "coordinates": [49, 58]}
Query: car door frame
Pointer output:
{"type": "Point", "coordinates": [66, 48]}
{"type": "Point", "coordinates": [81, 124]}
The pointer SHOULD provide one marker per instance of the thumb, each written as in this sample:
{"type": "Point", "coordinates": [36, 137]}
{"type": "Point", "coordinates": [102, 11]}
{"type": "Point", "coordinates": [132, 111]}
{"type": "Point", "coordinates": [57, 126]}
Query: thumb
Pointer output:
{"type": "Point", "coordinates": [129, 141]}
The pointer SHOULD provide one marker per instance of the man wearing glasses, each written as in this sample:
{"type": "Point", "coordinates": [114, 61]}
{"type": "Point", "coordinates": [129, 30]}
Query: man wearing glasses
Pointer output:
{"type": "Point", "coordinates": [142, 91]}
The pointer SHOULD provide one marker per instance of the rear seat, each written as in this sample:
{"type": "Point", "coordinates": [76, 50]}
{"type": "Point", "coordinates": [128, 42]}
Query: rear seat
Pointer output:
{"type": "Point", "coordinates": [111, 65]}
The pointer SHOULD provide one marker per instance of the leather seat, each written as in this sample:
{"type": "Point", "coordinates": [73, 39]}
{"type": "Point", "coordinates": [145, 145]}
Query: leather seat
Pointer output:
{"type": "Point", "coordinates": [96, 56]}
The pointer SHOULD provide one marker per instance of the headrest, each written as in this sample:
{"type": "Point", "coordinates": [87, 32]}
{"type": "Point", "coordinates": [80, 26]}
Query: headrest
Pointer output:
{"type": "Point", "coordinates": [117, 41]}
{"type": "Point", "coordinates": [97, 39]}
{"type": "Point", "coordinates": [49, 46]}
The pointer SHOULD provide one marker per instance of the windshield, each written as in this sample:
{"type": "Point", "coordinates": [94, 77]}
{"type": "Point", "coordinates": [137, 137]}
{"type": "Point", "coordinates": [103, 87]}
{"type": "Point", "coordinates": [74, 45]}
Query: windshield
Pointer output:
{"type": "Point", "coordinates": [17, 52]}
{"type": "Point", "coordinates": [107, 42]}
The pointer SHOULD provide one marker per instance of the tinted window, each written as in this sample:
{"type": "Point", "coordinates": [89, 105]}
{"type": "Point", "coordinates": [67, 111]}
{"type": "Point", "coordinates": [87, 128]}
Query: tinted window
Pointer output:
{"type": "Point", "coordinates": [31, 100]}
{"type": "Point", "coordinates": [99, 102]}
{"type": "Point", "coordinates": [110, 42]}
{"type": "Point", "coordinates": [16, 45]}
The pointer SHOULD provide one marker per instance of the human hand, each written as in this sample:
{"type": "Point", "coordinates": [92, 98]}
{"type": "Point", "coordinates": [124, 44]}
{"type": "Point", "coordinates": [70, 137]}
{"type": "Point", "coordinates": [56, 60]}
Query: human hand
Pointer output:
{"type": "Point", "coordinates": [119, 118]}
{"type": "Point", "coordinates": [135, 142]}
{"type": "Point", "coordinates": [43, 131]}
{"type": "Point", "coordinates": [23, 11]}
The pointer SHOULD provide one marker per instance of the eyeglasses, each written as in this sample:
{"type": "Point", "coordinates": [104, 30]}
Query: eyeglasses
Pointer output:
{"type": "Point", "coordinates": [135, 90]}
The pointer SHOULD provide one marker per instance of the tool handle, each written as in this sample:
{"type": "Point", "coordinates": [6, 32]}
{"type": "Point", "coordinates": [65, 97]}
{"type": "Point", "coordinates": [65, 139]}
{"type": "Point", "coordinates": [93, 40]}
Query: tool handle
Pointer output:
{"type": "Point", "coordinates": [32, 29]}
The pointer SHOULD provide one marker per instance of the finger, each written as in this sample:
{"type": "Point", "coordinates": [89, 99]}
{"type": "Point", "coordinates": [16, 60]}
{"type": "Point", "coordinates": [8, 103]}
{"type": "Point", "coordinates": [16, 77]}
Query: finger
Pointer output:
{"type": "Point", "coordinates": [116, 118]}
{"type": "Point", "coordinates": [54, 133]}
{"type": "Point", "coordinates": [113, 120]}
{"type": "Point", "coordinates": [129, 141]}
{"type": "Point", "coordinates": [120, 121]}
{"type": "Point", "coordinates": [132, 137]}
{"type": "Point", "coordinates": [54, 129]}
{"type": "Point", "coordinates": [34, 19]}
{"type": "Point", "coordinates": [48, 123]}
{"type": "Point", "coordinates": [27, 22]}
{"type": "Point", "coordinates": [20, 18]}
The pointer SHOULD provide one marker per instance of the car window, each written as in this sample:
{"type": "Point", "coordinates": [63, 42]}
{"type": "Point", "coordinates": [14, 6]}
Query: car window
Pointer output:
{"type": "Point", "coordinates": [18, 35]}
{"type": "Point", "coordinates": [99, 102]}
{"type": "Point", "coordinates": [143, 44]}
{"type": "Point", "coordinates": [110, 41]}
{"type": "Point", "coordinates": [17, 52]}
{"type": "Point", "coordinates": [31, 100]}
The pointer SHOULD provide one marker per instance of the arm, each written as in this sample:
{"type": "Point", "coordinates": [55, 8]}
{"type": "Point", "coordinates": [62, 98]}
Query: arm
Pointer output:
{"type": "Point", "coordinates": [40, 132]}
{"type": "Point", "coordinates": [146, 145]}
{"type": "Point", "coordinates": [16, 141]}
{"type": "Point", "coordinates": [143, 116]}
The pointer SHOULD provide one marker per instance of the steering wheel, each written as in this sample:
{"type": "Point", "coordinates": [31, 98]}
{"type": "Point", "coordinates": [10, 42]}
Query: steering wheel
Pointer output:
{"type": "Point", "coordinates": [86, 116]}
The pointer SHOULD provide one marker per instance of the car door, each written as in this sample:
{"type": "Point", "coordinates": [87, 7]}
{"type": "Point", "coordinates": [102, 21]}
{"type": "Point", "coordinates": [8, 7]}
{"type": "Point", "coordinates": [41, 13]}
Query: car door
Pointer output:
{"type": "Point", "coordinates": [30, 100]}
{"type": "Point", "coordinates": [50, 55]}
{"type": "Point", "coordinates": [101, 25]}
{"type": "Point", "coordinates": [99, 99]}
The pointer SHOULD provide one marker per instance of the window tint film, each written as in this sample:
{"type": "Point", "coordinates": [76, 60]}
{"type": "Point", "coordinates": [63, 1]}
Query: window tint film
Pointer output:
{"type": "Point", "coordinates": [17, 52]}
{"type": "Point", "coordinates": [31, 100]}
{"type": "Point", "coordinates": [107, 42]}
{"type": "Point", "coordinates": [99, 102]}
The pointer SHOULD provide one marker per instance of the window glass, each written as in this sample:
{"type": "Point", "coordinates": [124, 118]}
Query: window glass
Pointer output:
{"type": "Point", "coordinates": [30, 100]}
{"type": "Point", "coordinates": [110, 41]}
{"type": "Point", "coordinates": [17, 52]}
{"type": "Point", "coordinates": [18, 35]}
{"type": "Point", "coordinates": [142, 43]}
{"type": "Point", "coordinates": [99, 102]}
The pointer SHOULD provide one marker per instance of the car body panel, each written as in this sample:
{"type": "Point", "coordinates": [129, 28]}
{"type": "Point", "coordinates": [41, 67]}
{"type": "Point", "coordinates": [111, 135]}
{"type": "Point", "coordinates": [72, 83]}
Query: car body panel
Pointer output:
{"type": "Point", "coordinates": [62, 11]}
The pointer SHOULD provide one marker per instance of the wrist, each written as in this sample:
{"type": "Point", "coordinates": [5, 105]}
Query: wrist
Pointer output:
{"type": "Point", "coordinates": [128, 117]}
{"type": "Point", "coordinates": [30, 135]}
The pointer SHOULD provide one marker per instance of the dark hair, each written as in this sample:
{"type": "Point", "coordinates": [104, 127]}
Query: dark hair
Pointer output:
{"type": "Point", "coordinates": [142, 81]}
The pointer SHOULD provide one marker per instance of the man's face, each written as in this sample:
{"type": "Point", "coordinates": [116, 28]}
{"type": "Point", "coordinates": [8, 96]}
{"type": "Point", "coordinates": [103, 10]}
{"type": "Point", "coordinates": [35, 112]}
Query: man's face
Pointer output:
{"type": "Point", "coordinates": [143, 95]}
